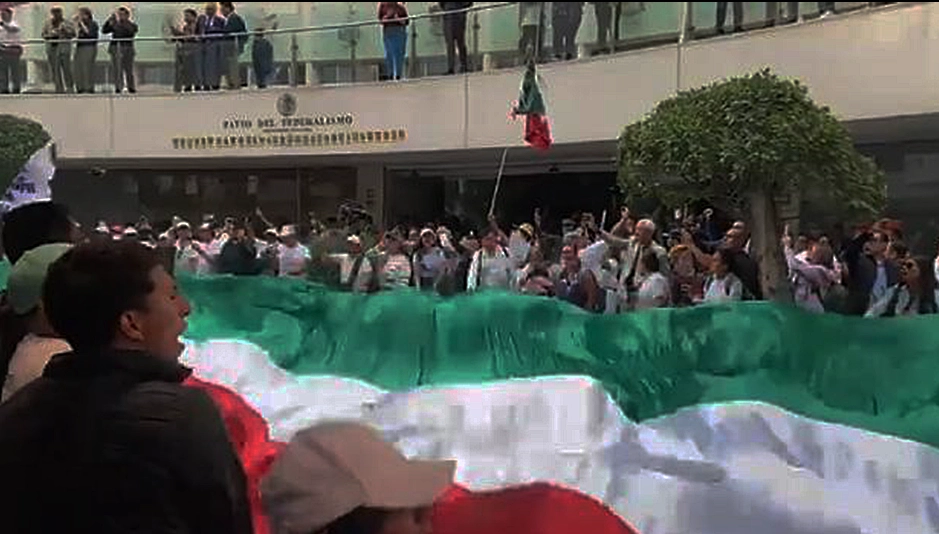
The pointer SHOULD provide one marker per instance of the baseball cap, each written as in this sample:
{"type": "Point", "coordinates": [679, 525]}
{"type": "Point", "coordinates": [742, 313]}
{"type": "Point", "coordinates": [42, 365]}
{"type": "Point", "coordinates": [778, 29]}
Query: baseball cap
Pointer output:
{"type": "Point", "coordinates": [24, 286]}
{"type": "Point", "coordinates": [332, 468]}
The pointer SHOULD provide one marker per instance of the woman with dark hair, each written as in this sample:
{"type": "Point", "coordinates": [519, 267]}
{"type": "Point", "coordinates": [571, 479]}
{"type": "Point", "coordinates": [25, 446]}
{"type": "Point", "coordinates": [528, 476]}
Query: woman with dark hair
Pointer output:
{"type": "Point", "coordinates": [915, 294]}
{"type": "Point", "coordinates": [722, 285]}
{"type": "Point", "coordinates": [429, 261]}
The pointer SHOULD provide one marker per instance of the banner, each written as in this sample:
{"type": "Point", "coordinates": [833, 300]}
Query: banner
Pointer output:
{"type": "Point", "coordinates": [33, 182]}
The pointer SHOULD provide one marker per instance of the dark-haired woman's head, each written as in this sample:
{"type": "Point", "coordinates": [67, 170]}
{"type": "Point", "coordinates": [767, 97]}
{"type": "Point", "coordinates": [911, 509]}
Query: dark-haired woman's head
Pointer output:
{"type": "Point", "coordinates": [117, 295]}
{"type": "Point", "coordinates": [917, 275]}
{"type": "Point", "coordinates": [722, 262]}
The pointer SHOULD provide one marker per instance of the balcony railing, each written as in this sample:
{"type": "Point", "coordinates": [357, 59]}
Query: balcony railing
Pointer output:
{"type": "Point", "coordinates": [296, 44]}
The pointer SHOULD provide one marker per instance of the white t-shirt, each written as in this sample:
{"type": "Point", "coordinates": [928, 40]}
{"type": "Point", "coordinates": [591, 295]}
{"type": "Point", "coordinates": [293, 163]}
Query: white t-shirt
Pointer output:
{"type": "Point", "coordinates": [29, 360]}
{"type": "Point", "coordinates": [727, 289]}
{"type": "Point", "coordinates": [293, 261]}
{"type": "Point", "coordinates": [9, 34]}
{"type": "Point", "coordinates": [346, 263]}
{"type": "Point", "coordinates": [490, 271]}
{"type": "Point", "coordinates": [187, 259]}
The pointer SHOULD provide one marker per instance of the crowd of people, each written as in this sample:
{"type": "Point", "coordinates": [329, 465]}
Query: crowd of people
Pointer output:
{"type": "Point", "coordinates": [90, 328]}
{"type": "Point", "coordinates": [633, 266]}
{"type": "Point", "coordinates": [100, 420]}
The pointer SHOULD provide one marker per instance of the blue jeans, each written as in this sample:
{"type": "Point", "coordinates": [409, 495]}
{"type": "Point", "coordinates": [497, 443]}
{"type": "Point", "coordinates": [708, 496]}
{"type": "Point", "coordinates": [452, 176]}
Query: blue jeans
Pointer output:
{"type": "Point", "coordinates": [396, 40]}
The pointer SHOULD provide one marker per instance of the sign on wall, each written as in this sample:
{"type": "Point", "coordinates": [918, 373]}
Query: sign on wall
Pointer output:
{"type": "Point", "coordinates": [289, 130]}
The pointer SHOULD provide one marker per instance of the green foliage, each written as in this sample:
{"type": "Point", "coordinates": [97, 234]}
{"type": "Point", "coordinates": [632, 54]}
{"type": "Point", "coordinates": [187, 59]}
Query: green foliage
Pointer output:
{"type": "Point", "coordinates": [755, 132]}
{"type": "Point", "coordinates": [20, 138]}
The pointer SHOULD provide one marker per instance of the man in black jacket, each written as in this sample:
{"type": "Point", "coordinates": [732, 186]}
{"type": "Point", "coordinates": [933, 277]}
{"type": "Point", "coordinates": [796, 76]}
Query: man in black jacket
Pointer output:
{"type": "Point", "coordinates": [108, 440]}
{"type": "Point", "coordinates": [870, 272]}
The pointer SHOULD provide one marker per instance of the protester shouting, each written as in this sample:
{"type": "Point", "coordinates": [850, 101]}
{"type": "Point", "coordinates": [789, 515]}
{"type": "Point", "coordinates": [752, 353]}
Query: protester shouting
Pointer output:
{"type": "Point", "coordinates": [108, 435]}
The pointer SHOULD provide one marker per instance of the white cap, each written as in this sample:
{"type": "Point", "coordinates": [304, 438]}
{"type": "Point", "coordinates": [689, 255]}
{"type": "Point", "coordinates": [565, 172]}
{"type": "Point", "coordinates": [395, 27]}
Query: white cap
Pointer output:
{"type": "Point", "coordinates": [333, 468]}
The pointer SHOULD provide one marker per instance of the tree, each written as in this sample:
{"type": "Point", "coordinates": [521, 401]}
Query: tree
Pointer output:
{"type": "Point", "coordinates": [738, 144]}
{"type": "Point", "coordinates": [19, 139]}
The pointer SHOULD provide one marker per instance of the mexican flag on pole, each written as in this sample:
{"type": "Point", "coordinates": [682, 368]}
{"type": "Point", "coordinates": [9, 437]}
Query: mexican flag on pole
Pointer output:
{"type": "Point", "coordinates": [723, 419]}
{"type": "Point", "coordinates": [531, 105]}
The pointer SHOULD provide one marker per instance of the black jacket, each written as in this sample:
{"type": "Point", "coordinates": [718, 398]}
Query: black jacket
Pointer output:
{"type": "Point", "coordinates": [748, 271]}
{"type": "Point", "coordinates": [114, 443]}
{"type": "Point", "coordinates": [862, 273]}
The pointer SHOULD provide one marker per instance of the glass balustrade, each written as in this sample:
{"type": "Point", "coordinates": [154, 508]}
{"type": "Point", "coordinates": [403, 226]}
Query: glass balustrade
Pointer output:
{"type": "Point", "coordinates": [296, 43]}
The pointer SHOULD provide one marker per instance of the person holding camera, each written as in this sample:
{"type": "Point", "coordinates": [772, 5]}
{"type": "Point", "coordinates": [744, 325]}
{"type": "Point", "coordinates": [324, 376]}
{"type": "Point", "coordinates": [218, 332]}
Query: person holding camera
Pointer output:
{"type": "Point", "coordinates": [86, 51]}
{"type": "Point", "coordinates": [11, 50]}
{"type": "Point", "coordinates": [122, 30]}
{"type": "Point", "coordinates": [58, 34]}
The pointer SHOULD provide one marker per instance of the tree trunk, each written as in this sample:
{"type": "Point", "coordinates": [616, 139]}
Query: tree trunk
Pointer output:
{"type": "Point", "coordinates": [765, 246]}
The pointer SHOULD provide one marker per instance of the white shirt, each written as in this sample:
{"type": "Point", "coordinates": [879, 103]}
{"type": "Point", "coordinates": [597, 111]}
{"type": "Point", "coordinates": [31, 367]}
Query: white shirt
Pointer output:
{"type": "Point", "coordinates": [906, 304]}
{"type": "Point", "coordinates": [9, 34]}
{"type": "Point", "coordinates": [490, 271]}
{"type": "Point", "coordinates": [654, 292]}
{"type": "Point", "coordinates": [187, 259]}
{"type": "Point", "coordinates": [29, 360]}
{"type": "Point", "coordinates": [293, 261]}
{"type": "Point", "coordinates": [214, 248]}
{"type": "Point", "coordinates": [346, 263]}
{"type": "Point", "coordinates": [727, 289]}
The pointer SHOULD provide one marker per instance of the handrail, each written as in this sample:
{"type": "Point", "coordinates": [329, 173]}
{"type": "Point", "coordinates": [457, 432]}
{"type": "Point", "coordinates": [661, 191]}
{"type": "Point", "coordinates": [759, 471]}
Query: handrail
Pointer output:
{"type": "Point", "coordinates": [277, 31]}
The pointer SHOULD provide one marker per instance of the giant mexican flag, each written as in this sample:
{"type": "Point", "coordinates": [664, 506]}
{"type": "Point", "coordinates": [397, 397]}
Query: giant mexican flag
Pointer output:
{"type": "Point", "coordinates": [713, 420]}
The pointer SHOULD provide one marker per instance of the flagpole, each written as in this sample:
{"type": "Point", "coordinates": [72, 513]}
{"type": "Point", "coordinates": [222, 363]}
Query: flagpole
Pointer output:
{"type": "Point", "coordinates": [495, 192]}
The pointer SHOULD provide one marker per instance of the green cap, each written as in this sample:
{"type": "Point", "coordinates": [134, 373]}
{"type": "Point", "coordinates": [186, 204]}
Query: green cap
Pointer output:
{"type": "Point", "coordinates": [24, 286]}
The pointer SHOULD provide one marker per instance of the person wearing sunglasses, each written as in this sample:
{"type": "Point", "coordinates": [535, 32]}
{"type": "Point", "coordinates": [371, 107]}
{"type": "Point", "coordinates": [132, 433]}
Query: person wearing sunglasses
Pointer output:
{"type": "Point", "coordinates": [914, 294]}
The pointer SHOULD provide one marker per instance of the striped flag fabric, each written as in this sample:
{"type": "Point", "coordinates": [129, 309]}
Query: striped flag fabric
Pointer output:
{"type": "Point", "coordinates": [531, 105]}
{"type": "Point", "coordinates": [727, 419]}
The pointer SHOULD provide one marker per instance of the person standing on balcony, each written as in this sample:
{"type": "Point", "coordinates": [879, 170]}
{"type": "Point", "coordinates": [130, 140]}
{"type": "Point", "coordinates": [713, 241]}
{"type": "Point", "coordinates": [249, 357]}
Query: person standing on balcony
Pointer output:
{"type": "Point", "coordinates": [11, 50]}
{"type": "Point", "coordinates": [86, 51]}
{"type": "Point", "coordinates": [722, 16]}
{"type": "Point", "coordinates": [122, 30]}
{"type": "Point", "coordinates": [234, 44]}
{"type": "Point", "coordinates": [394, 22]}
{"type": "Point", "coordinates": [59, 33]}
{"type": "Point", "coordinates": [604, 15]}
{"type": "Point", "coordinates": [454, 31]}
{"type": "Point", "coordinates": [530, 23]}
{"type": "Point", "coordinates": [565, 21]}
{"type": "Point", "coordinates": [262, 58]}
{"type": "Point", "coordinates": [212, 26]}
{"type": "Point", "coordinates": [188, 53]}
